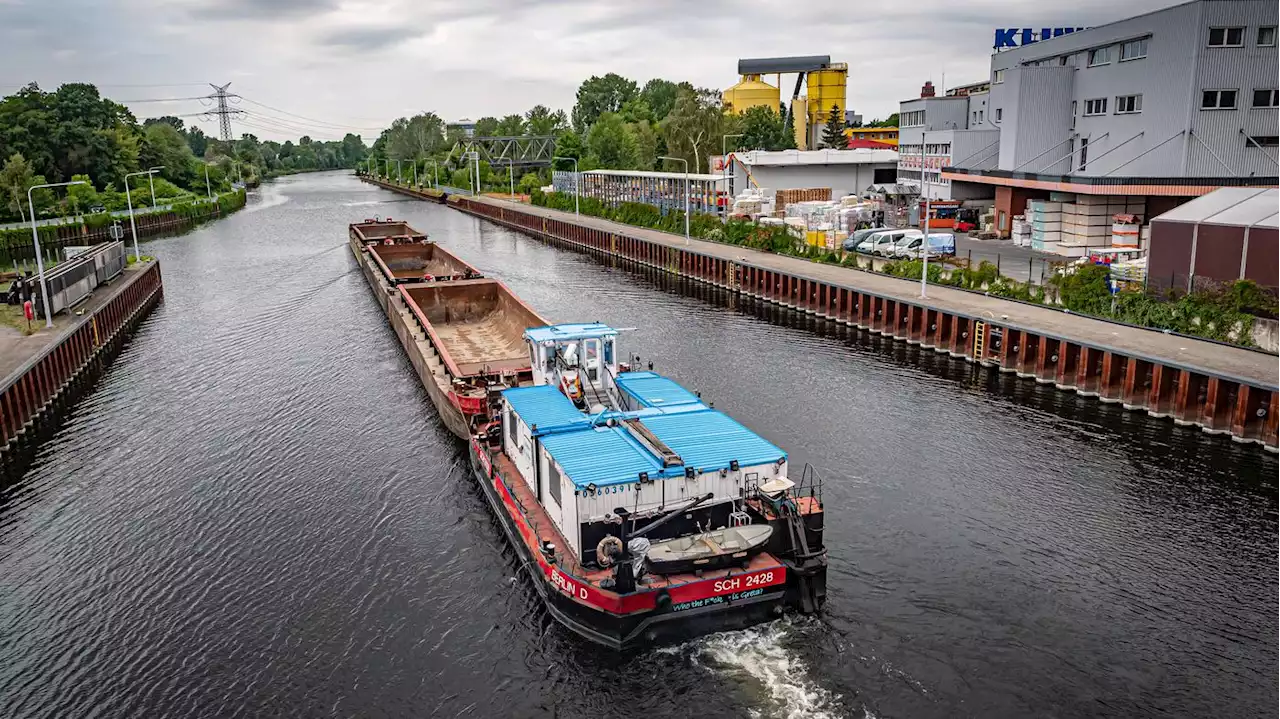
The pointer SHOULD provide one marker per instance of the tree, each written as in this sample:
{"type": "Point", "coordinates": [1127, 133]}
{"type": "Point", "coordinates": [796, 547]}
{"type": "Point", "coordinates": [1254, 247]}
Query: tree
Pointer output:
{"type": "Point", "coordinates": [197, 141]}
{"type": "Point", "coordinates": [542, 120]}
{"type": "Point", "coordinates": [176, 122]}
{"type": "Point", "coordinates": [660, 95]}
{"type": "Point", "coordinates": [636, 110]}
{"type": "Point", "coordinates": [486, 127]}
{"type": "Point", "coordinates": [646, 136]}
{"type": "Point", "coordinates": [694, 126]}
{"type": "Point", "coordinates": [762, 128]}
{"type": "Point", "coordinates": [511, 126]}
{"type": "Point", "coordinates": [569, 144]}
{"type": "Point", "coordinates": [162, 145]}
{"type": "Point", "coordinates": [788, 139]}
{"type": "Point", "coordinates": [81, 197]}
{"type": "Point", "coordinates": [833, 130]}
{"type": "Point", "coordinates": [15, 178]}
{"type": "Point", "coordinates": [611, 143]}
{"type": "Point", "coordinates": [598, 95]}
{"type": "Point", "coordinates": [890, 121]}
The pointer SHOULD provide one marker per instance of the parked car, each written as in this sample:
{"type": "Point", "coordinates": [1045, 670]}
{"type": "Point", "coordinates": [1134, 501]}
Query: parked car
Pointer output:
{"type": "Point", "coordinates": [900, 241]}
{"type": "Point", "coordinates": [941, 244]}
{"type": "Point", "coordinates": [881, 242]}
{"type": "Point", "coordinates": [97, 209]}
{"type": "Point", "coordinates": [856, 238]}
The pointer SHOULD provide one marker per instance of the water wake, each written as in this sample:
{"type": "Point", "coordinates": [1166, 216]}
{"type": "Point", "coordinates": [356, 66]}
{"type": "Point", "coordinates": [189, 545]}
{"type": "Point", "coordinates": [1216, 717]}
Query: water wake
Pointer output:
{"type": "Point", "coordinates": [760, 657]}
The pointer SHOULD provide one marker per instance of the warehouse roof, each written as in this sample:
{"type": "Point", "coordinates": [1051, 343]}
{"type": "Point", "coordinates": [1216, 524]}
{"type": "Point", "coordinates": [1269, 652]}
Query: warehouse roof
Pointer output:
{"type": "Point", "coordinates": [1230, 206]}
{"type": "Point", "coordinates": [783, 158]}
{"type": "Point", "coordinates": [655, 175]}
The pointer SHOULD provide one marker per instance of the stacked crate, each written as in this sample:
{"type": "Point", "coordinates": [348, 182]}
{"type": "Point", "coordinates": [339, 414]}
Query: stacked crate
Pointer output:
{"type": "Point", "coordinates": [1045, 217]}
{"type": "Point", "coordinates": [812, 194]}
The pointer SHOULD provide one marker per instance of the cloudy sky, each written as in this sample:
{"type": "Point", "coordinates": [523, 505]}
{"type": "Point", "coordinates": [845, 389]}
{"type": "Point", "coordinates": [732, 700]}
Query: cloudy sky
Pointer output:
{"type": "Point", "coordinates": [324, 67]}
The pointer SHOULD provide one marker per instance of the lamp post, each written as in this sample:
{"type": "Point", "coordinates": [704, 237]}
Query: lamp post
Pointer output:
{"type": "Point", "coordinates": [208, 189]}
{"type": "Point", "coordinates": [151, 178]}
{"type": "Point", "coordinates": [576, 177]}
{"type": "Point", "coordinates": [129, 198]}
{"type": "Point", "coordinates": [924, 247]}
{"type": "Point", "coordinates": [415, 173]}
{"type": "Point", "coordinates": [511, 174]}
{"type": "Point", "coordinates": [724, 154]}
{"type": "Point", "coordinates": [386, 172]}
{"type": "Point", "coordinates": [35, 238]}
{"type": "Point", "coordinates": [686, 193]}
{"type": "Point", "coordinates": [437, 166]}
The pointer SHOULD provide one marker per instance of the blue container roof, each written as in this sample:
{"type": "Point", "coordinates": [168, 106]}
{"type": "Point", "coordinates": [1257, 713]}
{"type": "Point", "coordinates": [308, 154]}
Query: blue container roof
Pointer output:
{"type": "Point", "coordinates": [602, 456]}
{"type": "Point", "coordinates": [544, 407]}
{"type": "Point", "coordinates": [653, 390]}
{"type": "Point", "coordinates": [568, 331]}
{"type": "Point", "coordinates": [709, 440]}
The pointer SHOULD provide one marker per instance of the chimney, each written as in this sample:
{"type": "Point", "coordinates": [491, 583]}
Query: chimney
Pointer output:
{"type": "Point", "coordinates": [927, 90]}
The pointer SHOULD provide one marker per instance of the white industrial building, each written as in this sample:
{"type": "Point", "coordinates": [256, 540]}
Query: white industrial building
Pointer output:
{"type": "Point", "coordinates": [1163, 106]}
{"type": "Point", "coordinates": [845, 172]}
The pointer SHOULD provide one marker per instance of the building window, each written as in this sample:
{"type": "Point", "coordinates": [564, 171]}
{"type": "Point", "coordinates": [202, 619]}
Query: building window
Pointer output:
{"type": "Point", "coordinates": [1265, 98]}
{"type": "Point", "coordinates": [1261, 141]}
{"type": "Point", "coordinates": [553, 482]}
{"type": "Point", "coordinates": [1218, 100]}
{"type": "Point", "coordinates": [915, 118]}
{"type": "Point", "coordinates": [1100, 56]}
{"type": "Point", "coordinates": [1128, 104]}
{"type": "Point", "coordinates": [999, 114]}
{"type": "Point", "coordinates": [1226, 37]}
{"type": "Point", "coordinates": [1084, 152]}
{"type": "Point", "coordinates": [1133, 50]}
{"type": "Point", "coordinates": [980, 114]}
{"type": "Point", "coordinates": [1095, 107]}
{"type": "Point", "coordinates": [997, 77]}
{"type": "Point", "coordinates": [1267, 36]}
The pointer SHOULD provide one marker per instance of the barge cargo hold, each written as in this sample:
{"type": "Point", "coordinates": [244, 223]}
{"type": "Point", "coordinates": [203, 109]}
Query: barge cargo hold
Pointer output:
{"type": "Point", "coordinates": [594, 465]}
{"type": "Point", "coordinates": [463, 336]}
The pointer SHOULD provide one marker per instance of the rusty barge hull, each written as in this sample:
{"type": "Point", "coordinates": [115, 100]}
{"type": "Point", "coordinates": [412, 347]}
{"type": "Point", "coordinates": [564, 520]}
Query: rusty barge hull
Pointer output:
{"type": "Point", "coordinates": [460, 334]}
{"type": "Point", "coordinates": [1218, 402]}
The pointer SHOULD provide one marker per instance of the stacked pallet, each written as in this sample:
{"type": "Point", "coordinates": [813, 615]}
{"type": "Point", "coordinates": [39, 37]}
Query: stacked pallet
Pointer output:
{"type": "Point", "coordinates": [812, 194]}
{"type": "Point", "coordinates": [1089, 222]}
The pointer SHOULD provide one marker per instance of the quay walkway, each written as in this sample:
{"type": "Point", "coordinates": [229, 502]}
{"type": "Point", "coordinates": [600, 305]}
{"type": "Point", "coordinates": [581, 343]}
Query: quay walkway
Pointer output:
{"type": "Point", "coordinates": [1222, 389]}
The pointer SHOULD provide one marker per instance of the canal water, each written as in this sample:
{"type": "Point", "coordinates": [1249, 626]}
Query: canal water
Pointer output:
{"type": "Point", "coordinates": [257, 513]}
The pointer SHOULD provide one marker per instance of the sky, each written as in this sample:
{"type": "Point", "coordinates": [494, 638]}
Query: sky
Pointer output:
{"type": "Point", "coordinates": [327, 67]}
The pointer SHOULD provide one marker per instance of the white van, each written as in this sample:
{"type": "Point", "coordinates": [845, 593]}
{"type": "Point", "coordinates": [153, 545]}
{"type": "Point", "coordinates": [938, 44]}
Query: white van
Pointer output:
{"type": "Point", "coordinates": [892, 240]}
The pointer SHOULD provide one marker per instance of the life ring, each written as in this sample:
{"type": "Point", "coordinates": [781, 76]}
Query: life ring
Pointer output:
{"type": "Point", "coordinates": [388, 241]}
{"type": "Point", "coordinates": [607, 549]}
{"type": "Point", "coordinates": [428, 278]}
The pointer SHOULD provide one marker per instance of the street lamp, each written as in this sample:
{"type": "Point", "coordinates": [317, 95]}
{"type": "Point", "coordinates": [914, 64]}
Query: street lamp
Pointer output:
{"type": "Point", "coordinates": [386, 172]}
{"type": "Point", "coordinates": [511, 174]}
{"type": "Point", "coordinates": [686, 193]}
{"type": "Point", "coordinates": [35, 238]}
{"type": "Point", "coordinates": [207, 187]}
{"type": "Point", "coordinates": [924, 188]}
{"type": "Point", "coordinates": [152, 179]}
{"type": "Point", "coordinates": [724, 154]}
{"type": "Point", "coordinates": [129, 198]}
{"type": "Point", "coordinates": [576, 177]}
{"type": "Point", "coordinates": [415, 172]}
{"type": "Point", "coordinates": [399, 176]}
{"type": "Point", "coordinates": [437, 166]}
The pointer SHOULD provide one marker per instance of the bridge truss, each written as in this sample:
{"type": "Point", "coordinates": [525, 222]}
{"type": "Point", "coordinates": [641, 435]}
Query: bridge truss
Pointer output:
{"type": "Point", "coordinates": [522, 151]}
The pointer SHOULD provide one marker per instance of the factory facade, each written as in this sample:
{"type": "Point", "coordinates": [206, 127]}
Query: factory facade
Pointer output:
{"type": "Point", "coordinates": [1165, 106]}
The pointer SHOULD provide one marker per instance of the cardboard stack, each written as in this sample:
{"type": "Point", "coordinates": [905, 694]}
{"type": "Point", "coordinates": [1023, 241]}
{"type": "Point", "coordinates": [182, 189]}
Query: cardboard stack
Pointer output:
{"type": "Point", "coordinates": [1124, 230]}
{"type": "Point", "coordinates": [1021, 233]}
{"type": "Point", "coordinates": [1088, 221]}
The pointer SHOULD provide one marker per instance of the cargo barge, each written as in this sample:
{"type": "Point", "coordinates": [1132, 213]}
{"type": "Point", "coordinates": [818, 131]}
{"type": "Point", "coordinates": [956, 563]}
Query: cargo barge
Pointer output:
{"type": "Point", "coordinates": [643, 515]}
{"type": "Point", "coordinates": [460, 330]}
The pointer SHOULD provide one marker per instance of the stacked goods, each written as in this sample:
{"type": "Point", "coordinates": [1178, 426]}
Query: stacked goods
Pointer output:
{"type": "Point", "coordinates": [1086, 223]}
{"type": "Point", "coordinates": [1124, 230]}
{"type": "Point", "coordinates": [1021, 231]}
{"type": "Point", "coordinates": [1129, 270]}
{"type": "Point", "coordinates": [817, 194]}
{"type": "Point", "coordinates": [1046, 224]}
{"type": "Point", "coordinates": [753, 203]}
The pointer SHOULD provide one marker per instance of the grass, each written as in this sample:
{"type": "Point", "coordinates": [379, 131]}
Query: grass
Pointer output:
{"type": "Point", "coordinates": [11, 316]}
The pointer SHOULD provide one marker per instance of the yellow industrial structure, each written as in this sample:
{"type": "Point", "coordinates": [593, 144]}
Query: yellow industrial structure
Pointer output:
{"type": "Point", "coordinates": [751, 92]}
{"type": "Point", "coordinates": [826, 87]}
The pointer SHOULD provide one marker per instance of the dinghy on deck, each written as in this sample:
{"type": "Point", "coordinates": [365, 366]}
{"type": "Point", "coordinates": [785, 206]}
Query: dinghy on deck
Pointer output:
{"type": "Point", "coordinates": [710, 550]}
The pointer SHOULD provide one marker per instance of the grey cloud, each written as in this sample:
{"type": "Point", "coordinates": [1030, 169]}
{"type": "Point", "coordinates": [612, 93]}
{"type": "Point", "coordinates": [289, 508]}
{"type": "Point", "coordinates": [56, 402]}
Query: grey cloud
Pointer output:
{"type": "Point", "coordinates": [262, 9]}
{"type": "Point", "coordinates": [366, 39]}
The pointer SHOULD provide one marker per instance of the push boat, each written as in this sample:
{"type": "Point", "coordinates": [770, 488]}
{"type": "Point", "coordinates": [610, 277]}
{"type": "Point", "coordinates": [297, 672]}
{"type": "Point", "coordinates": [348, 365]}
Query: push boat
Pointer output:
{"type": "Point", "coordinates": [650, 516]}
{"type": "Point", "coordinates": [462, 332]}
{"type": "Point", "coordinates": [643, 515]}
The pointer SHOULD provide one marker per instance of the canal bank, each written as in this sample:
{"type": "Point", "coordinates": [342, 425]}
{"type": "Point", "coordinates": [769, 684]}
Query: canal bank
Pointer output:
{"type": "Point", "coordinates": [1219, 388]}
{"type": "Point", "coordinates": [46, 371]}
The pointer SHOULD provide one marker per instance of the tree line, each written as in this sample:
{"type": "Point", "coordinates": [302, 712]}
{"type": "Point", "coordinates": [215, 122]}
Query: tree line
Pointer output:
{"type": "Point", "coordinates": [73, 133]}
